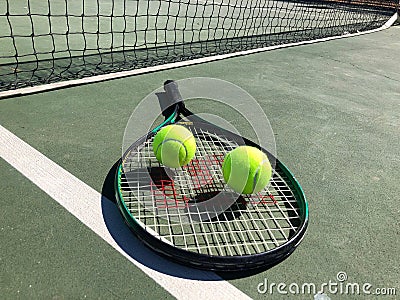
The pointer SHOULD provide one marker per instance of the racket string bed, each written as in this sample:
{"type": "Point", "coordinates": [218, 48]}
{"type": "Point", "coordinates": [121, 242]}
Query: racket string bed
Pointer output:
{"type": "Point", "coordinates": [207, 166]}
{"type": "Point", "coordinates": [165, 201]}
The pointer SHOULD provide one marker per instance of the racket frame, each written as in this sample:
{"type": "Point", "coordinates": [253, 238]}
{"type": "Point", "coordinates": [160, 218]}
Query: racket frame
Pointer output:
{"type": "Point", "coordinates": [203, 261]}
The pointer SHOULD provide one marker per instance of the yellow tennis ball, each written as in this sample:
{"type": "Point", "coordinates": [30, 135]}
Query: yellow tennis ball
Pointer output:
{"type": "Point", "coordinates": [246, 170]}
{"type": "Point", "coordinates": [174, 146]}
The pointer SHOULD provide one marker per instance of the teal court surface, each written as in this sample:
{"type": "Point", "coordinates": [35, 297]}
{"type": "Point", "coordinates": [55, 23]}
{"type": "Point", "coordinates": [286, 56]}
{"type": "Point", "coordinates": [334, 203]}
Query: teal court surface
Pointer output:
{"type": "Point", "coordinates": [335, 111]}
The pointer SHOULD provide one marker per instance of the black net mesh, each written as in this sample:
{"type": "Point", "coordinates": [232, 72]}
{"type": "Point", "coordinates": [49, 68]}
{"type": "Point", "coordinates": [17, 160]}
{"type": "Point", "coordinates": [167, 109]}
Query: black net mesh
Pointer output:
{"type": "Point", "coordinates": [45, 41]}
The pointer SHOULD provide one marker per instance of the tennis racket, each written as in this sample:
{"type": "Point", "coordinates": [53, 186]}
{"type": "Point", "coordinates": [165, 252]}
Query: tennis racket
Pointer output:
{"type": "Point", "coordinates": [192, 217]}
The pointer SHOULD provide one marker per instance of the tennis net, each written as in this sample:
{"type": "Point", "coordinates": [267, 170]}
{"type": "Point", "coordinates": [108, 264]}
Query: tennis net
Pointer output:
{"type": "Point", "coordinates": [47, 41]}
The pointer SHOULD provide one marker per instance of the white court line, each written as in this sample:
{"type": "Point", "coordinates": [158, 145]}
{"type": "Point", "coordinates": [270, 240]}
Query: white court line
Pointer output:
{"type": "Point", "coordinates": [87, 205]}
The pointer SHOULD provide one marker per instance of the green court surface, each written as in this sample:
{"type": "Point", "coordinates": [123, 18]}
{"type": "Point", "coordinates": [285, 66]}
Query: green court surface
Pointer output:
{"type": "Point", "coordinates": [335, 111]}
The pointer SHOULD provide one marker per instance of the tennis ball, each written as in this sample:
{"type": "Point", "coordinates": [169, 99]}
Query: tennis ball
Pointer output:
{"type": "Point", "coordinates": [174, 146]}
{"type": "Point", "coordinates": [246, 170]}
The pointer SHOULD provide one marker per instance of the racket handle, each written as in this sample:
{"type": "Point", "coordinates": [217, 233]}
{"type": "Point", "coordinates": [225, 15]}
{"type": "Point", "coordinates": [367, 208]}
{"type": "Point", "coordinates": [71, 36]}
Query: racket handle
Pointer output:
{"type": "Point", "coordinates": [171, 100]}
{"type": "Point", "coordinates": [172, 91]}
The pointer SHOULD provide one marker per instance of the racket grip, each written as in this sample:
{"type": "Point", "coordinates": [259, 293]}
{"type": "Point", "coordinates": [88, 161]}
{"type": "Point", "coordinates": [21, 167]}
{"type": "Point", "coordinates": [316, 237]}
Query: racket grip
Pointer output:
{"type": "Point", "coordinates": [172, 91]}
{"type": "Point", "coordinates": [171, 100]}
